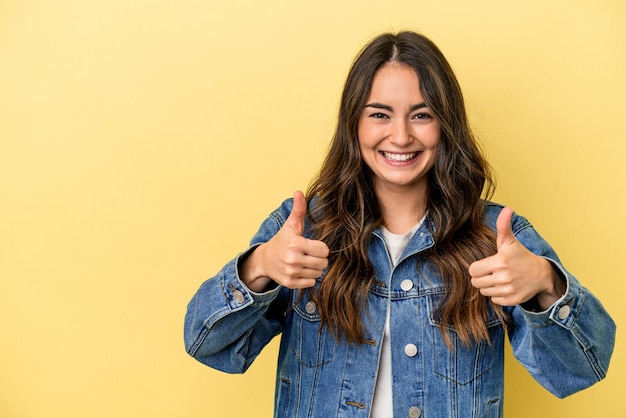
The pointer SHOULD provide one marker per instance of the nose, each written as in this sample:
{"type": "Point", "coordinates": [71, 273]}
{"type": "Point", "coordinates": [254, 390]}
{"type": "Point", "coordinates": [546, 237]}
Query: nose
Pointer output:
{"type": "Point", "coordinates": [400, 133]}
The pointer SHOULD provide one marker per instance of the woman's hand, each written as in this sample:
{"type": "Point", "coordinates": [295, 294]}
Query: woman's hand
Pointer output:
{"type": "Point", "coordinates": [288, 258]}
{"type": "Point", "coordinates": [514, 275]}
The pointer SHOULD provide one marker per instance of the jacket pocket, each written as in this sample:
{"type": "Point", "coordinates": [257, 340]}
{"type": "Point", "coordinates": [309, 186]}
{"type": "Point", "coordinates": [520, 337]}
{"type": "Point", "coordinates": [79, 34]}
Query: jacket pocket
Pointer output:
{"type": "Point", "coordinates": [462, 364]}
{"type": "Point", "coordinates": [311, 346]}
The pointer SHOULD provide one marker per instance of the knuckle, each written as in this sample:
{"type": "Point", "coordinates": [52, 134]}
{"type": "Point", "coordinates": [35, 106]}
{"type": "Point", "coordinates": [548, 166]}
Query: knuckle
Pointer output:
{"type": "Point", "coordinates": [295, 241]}
{"type": "Point", "coordinates": [289, 282]}
{"type": "Point", "coordinates": [291, 271]}
{"type": "Point", "coordinates": [291, 258]}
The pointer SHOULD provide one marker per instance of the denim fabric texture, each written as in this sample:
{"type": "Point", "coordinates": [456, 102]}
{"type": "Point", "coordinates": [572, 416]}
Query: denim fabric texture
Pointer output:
{"type": "Point", "coordinates": [565, 348]}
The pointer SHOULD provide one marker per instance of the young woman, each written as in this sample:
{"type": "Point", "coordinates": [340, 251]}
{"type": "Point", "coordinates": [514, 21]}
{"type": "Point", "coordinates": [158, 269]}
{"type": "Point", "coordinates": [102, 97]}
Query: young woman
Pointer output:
{"type": "Point", "coordinates": [394, 281]}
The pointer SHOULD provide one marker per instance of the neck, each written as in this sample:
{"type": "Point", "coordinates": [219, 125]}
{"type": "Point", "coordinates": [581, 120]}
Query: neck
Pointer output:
{"type": "Point", "coordinates": [401, 210]}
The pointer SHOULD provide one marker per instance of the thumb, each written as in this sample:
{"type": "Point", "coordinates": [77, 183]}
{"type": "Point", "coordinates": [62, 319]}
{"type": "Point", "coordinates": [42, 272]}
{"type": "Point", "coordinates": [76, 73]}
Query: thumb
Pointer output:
{"type": "Point", "coordinates": [298, 211]}
{"type": "Point", "coordinates": [504, 233]}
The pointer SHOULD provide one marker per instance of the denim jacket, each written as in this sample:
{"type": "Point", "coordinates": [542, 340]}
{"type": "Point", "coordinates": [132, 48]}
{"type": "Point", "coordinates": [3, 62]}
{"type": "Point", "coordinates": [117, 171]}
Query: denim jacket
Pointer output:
{"type": "Point", "coordinates": [565, 348]}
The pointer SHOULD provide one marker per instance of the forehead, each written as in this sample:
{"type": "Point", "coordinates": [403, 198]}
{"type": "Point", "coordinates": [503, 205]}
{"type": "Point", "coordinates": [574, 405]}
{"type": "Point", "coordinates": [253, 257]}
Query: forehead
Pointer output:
{"type": "Point", "coordinates": [395, 80]}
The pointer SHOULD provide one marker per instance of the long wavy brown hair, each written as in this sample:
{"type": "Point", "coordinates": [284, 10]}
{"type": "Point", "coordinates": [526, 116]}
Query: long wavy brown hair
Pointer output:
{"type": "Point", "coordinates": [347, 210]}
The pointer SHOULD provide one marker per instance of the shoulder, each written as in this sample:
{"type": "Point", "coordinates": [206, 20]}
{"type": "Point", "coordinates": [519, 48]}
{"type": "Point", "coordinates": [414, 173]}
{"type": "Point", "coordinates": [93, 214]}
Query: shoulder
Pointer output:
{"type": "Point", "coordinates": [278, 216]}
{"type": "Point", "coordinates": [273, 222]}
{"type": "Point", "coordinates": [492, 210]}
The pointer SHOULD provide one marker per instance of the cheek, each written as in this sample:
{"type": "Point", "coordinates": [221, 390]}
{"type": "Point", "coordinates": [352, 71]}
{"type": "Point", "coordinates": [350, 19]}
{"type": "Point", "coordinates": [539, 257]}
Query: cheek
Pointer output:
{"type": "Point", "coordinates": [367, 154]}
{"type": "Point", "coordinates": [364, 138]}
{"type": "Point", "coordinates": [370, 136]}
{"type": "Point", "coordinates": [431, 138]}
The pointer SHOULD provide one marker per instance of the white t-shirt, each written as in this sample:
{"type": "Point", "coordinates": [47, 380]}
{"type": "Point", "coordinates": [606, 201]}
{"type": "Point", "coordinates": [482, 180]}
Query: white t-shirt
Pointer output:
{"type": "Point", "coordinates": [382, 405]}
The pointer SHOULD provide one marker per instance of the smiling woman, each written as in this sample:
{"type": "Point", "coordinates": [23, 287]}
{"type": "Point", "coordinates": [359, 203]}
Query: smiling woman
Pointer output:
{"type": "Point", "coordinates": [395, 280]}
{"type": "Point", "coordinates": [398, 137]}
{"type": "Point", "coordinates": [142, 143]}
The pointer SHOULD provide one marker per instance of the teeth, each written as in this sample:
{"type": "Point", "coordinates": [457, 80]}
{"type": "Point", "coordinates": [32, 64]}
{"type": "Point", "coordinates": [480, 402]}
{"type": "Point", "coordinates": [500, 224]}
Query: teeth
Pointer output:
{"type": "Point", "coordinates": [399, 157]}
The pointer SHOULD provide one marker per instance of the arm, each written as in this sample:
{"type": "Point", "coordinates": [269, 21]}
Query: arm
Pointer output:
{"type": "Point", "coordinates": [567, 347]}
{"type": "Point", "coordinates": [227, 324]}
{"type": "Point", "coordinates": [235, 314]}
{"type": "Point", "coordinates": [560, 332]}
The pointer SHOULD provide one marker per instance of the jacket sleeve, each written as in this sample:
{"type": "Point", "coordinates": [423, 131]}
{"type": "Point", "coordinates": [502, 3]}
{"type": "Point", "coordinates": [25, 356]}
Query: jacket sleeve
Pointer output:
{"type": "Point", "coordinates": [568, 347]}
{"type": "Point", "coordinates": [226, 324]}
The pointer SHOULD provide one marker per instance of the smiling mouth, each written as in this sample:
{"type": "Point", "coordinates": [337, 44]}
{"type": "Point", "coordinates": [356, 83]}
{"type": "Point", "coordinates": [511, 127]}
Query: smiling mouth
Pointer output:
{"type": "Point", "coordinates": [399, 157]}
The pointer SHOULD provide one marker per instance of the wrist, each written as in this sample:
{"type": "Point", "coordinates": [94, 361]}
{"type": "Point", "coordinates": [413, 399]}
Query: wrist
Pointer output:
{"type": "Point", "coordinates": [555, 290]}
{"type": "Point", "coordinates": [251, 271]}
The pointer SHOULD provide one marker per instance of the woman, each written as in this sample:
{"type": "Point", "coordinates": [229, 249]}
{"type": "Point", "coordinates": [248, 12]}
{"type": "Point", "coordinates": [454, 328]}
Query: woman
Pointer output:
{"type": "Point", "coordinates": [393, 282]}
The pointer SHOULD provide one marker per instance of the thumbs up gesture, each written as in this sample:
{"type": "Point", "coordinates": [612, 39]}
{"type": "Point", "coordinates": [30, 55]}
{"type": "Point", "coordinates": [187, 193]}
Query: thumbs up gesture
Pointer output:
{"type": "Point", "coordinates": [288, 258]}
{"type": "Point", "coordinates": [514, 275]}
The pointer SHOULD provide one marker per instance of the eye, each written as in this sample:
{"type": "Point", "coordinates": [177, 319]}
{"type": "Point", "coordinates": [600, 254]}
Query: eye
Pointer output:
{"type": "Point", "coordinates": [422, 116]}
{"type": "Point", "coordinates": [379, 115]}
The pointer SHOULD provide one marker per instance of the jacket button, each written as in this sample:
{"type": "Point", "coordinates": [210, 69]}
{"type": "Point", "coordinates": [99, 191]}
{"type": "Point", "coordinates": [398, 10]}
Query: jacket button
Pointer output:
{"type": "Point", "coordinates": [564, 311]}
{"type": "Point", "coordinates": [406, 285]}
{"type": "Point", "coordinates": [414, 412]}
{"type": "Point", "coordinates": [310, 308]}
{"type": "Point", "coordinates": [238, 296]}
{"type": "Point", "coordinates": [410, 350]}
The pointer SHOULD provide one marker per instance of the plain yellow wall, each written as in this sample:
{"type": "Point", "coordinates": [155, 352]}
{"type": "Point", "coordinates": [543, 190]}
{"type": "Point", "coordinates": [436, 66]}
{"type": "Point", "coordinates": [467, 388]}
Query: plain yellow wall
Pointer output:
{"type": "Point", "coordinates": [142, 143]}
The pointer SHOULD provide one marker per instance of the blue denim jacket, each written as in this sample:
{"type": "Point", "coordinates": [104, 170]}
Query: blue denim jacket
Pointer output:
{"type": "Point", "coordinates": [566, 348]}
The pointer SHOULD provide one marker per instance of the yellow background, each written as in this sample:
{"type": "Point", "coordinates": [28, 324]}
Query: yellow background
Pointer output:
{"type": "Point", "coordinates": [142, 143]}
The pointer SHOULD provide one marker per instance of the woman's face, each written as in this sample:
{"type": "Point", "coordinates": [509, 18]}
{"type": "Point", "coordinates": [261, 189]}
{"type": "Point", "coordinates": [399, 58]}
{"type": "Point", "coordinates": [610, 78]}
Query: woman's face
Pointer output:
{"type": "Point", "coordinates": [398, 133]}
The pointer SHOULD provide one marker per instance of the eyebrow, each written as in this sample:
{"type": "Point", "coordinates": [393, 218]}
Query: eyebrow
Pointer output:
{"type": "Point", "coordinates": [376, 105]}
